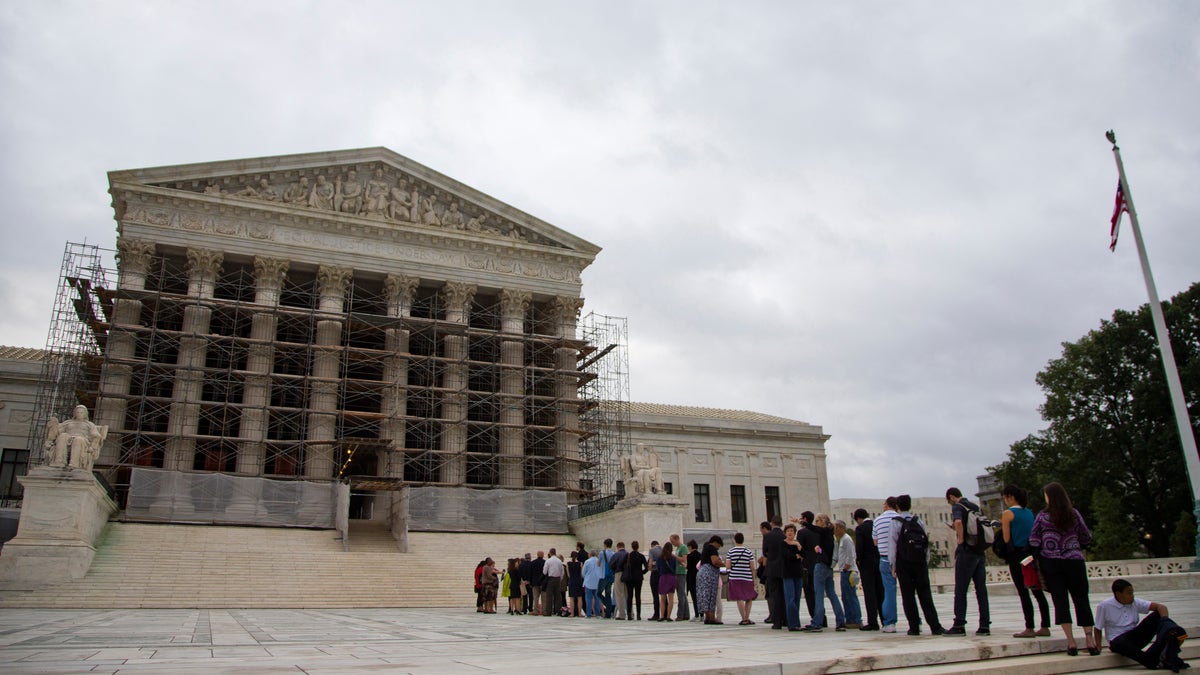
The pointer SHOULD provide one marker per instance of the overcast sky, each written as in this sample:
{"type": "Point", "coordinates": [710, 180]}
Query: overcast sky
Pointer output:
{"type": "Point", "coordinates": [882, 218]}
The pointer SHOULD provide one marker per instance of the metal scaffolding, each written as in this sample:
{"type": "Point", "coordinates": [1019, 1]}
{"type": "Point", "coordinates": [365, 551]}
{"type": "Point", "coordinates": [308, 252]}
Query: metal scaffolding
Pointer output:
{"type": "Point", "coordinates": [74, 346]}
{"type": "Point", "coordinates": [221, 383]}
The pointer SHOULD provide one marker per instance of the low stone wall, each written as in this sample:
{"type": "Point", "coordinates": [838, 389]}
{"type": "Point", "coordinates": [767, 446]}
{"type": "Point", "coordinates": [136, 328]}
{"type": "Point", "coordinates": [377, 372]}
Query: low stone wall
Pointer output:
{"type": "Point", "coordinates": [1142, 572]}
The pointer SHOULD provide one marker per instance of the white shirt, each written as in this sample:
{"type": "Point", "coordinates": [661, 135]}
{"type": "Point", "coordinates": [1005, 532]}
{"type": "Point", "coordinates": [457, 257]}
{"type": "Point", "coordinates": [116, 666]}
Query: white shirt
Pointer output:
{"type": "Point", "coordinates": [553, 568]}
{"type": "Point", "coordinates": [843, 554]}
{"type": "Point", "coordinates": [1116, 619]}
{"type": "Point", "coordinates": [881, 533]}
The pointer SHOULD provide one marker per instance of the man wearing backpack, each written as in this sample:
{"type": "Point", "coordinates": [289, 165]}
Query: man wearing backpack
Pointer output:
{"type": "Point", "coordinates": [909, 547]}
{"type": "Point", "coordinates": [970, 563]}
{"type": "Point", "coordinates": [606, 581]}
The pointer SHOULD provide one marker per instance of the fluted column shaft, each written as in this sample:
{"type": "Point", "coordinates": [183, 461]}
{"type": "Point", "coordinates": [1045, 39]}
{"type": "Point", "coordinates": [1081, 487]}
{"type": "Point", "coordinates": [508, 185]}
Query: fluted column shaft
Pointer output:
{"type": "Point", "coordinates": [204, 265]}
{"type": "Point", "coordinates": [458, 297]}
{"type": "Point", "coordinates": [400, 291]}
{"type": "Point", "coordinates": [567, 391]}
{"type": "Point", "coordinates": [514, 304]}
{"type": "Point", "coordinates": [269, 274]}
{"type": "Point", "coordinates": [322, 397]}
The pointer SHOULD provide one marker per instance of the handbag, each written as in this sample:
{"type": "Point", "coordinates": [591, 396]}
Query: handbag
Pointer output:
{"type": "Point", "coordinates": [1030, 577]}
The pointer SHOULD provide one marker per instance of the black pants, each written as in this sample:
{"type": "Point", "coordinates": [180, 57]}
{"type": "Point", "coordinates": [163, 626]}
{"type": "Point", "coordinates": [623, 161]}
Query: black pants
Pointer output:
{"type": "Point", "coordinates": [872, 588]}
{"type": "Point", "coordinates": [1023, 591]}
{"type": "Point", "coordinates": [776, 602]}
{"type": "Point", "coordinates": [808, 593]}
{"type": "Point", "coordinates": [691, 589]}
{"type": "Point", "coordinates": [633, 598]}
{"type": "Point", "coordinates": [1161, 634]}
{"type": "Point", "coordinates": [654, 591]}
{"type": "Point", "coordinates": [914, 586]}
{"type": "Point", "coordinates": [1068, 578]}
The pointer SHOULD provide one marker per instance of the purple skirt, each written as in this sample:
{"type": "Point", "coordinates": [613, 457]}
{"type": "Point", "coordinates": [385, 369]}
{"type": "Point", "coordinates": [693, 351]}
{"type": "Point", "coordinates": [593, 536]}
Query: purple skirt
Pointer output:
{"type": "Point", "coordinates": [666, 584]}
{"type": "Point", "coordinates": [740, 589]}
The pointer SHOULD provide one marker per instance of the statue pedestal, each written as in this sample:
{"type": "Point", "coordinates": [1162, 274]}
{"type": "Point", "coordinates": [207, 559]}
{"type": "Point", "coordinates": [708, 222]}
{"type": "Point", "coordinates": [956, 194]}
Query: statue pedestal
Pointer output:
{"type": "Point", "coordinates": [642, 519]}
{"type": "Point", "coordinates": [63, 513]}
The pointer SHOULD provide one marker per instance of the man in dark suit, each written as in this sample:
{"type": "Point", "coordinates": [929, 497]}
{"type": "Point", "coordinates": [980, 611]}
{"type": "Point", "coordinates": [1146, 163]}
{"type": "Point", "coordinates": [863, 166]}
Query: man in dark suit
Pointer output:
{"type": "Point", "coordinates": [773, 550]}
{"type": "Point", "coordinates": [868, 568]}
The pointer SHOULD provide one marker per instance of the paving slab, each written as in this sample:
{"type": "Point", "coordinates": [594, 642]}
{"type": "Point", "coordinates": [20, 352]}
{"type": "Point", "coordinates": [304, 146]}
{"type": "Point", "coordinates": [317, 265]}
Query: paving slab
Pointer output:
{"type": "Point", "coordinates": [328, 642]}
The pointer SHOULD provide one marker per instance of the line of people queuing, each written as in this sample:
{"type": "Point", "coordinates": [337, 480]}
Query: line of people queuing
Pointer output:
{"type": "Point", "coordinates": [816, 559]}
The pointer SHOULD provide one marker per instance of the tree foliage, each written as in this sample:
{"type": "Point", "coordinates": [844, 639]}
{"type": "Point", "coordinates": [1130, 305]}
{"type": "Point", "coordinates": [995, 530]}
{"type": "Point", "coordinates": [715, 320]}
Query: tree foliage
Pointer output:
{"type": "Point", "coordinates": [1111, 423]}
{"type": "Point", "coordinates": [1114, 536]}
{"type": "Point", "coordinates": [1183, 541]}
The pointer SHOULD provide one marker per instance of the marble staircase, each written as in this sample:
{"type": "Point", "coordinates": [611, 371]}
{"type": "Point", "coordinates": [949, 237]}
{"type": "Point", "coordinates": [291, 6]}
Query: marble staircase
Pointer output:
{"type": "Point", "coordinates": [196, 566]}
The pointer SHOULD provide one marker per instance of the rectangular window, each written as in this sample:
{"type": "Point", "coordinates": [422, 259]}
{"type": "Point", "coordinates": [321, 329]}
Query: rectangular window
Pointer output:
{"type": "Point", "coordinates": [703, 513]}
{"type": "Point", "coordinates": [12, 464]}
{"type": "Point", "coordinates": [737, 502]}
{"type": "Point", "coordinates": [774, 507]}
{"type": "Point", "coordinates": [669, 488]}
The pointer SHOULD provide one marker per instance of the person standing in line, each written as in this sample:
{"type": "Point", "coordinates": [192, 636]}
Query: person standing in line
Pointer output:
{"type": "Point", "coordinates": [845, 564]}
{"type": "Point", "coordinates": [912, 573]}
{"type": "Point", "coordinates": [513, 578]}
{"type": "Point", "coordinates": [708, 579]}
{"type": "Point", "coordinates": [537, 582]}
{"type": "Point", "coordinates": [804, 528]}
{"type": "Point", "coordinates": [525, 567]}
{"type": "Point", "coordinates": [680, 552]}
{"type": "Point", "coordinates": [970, 567]}
{"type": "Point", "coordinates": [488, 580]}
{"type": "Point", "coordinates": [741, 577]}
{"type": "Point", "coordinates": [1016, 523]}
{"type": "Point", "coordinates": [575, 583]}
{"type": "Point", "coordinates": [592, 607]}
{"type": "Point", "coordinates": [633, 575]}
{"type": "Point", "coordinates": [479, 585]}
{"type": "Point", "coordinates": [868, 568]}
{"type": "Point", "coordinates": [666, 581]}
{"type": "Point", "coordinates": [606, 583]}
{"type": "Point", "coordinates": [881, 534]}
{"type": "Point", "coordinates": [1060, 534]}
{"type": "Point", "coordinates": [620, 596]}
{"type": "Point", "coordinates": [792, 578]}
{"type": "Point", "coordinates": [554, 571]}
{"type": "Point", "coordinates": [655, 553]}
{"type": "Point", "coordinates": [693, 567]}
{"type": "Point", "coordinates": [823, 583]}
{"type": "Point", "coordinates": [774, 552]}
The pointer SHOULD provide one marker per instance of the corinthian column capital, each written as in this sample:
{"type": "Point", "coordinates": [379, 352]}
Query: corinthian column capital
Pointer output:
{"type": "Point", "coordinates": [458, 297]}
{"type": "Point", "coordinates": [400, 289]}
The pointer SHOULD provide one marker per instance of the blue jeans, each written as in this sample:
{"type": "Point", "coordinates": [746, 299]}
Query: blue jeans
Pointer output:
{"type": "Point", "coordinates": [793, 592]}
{"type": "Point", "coordinates": [850, 600]}
{"type": "Point", "coordinates": [823, 586]}
{"type": "Point", "coordinates": [591, 599]}
{"type": "Point", "coordinates": [888, 612]}
{"type": "Point", "coordinates": [604, 592]}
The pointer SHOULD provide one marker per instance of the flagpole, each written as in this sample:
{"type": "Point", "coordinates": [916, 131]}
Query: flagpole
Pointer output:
{"type": "Point", "coordinates": [1182, 419]}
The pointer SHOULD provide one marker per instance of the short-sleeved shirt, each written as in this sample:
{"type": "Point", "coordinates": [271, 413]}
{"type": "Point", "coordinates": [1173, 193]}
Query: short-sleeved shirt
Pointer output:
{"type": "Point", "coordinates": [1116, 619]}
{"type": "Point", "coordinates": [740, 558]}
{"type": "Point", "coordinates": [881, 533]}
{"type": "Point", "coordinates": [707, 554]}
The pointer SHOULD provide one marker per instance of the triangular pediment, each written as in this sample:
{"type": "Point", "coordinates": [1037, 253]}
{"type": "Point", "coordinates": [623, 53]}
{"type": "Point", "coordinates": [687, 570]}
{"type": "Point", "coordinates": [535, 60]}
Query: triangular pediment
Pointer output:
{"type": "Point", "coordinates": [376, 185]}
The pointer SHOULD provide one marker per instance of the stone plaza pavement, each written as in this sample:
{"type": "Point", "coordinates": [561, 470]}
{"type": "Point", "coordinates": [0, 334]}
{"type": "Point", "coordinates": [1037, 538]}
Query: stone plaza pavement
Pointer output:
{"type": "Point", "coordinates": [463, 641]}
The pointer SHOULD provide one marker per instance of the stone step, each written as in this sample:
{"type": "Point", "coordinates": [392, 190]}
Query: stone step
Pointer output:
{"type": "Point", "coordinates": [1051, 663]}
{"type": "Point", "coordinates": [199, 566]}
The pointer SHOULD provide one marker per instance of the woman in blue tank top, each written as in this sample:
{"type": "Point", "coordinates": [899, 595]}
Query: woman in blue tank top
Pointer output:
{"type": "Point", "coordinates": [1017, 524]}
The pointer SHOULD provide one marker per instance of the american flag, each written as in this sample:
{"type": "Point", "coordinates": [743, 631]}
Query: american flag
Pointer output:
{"type": "Point", "coordinates": [1118, 208]}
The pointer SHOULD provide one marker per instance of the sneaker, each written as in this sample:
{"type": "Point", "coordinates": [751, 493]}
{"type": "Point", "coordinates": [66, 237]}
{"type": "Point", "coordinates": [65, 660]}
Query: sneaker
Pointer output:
{"type": "Point", "coordinates": [812, 629]}
{"type": "Point", "coordinates": [840, 629]}
{"type": "Point", "coordinates": [890, 628]}
{"type": "Point", "coordinates": [983, 632]}
{"type": "Point", "coordinates": [955, 631]}
{"type": "Point", "coordinates": [869, 627]}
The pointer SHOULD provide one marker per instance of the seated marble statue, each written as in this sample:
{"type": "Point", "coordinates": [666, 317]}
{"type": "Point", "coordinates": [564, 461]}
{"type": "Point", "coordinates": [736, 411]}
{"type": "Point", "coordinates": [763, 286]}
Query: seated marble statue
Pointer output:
{"type": "Point", "coordinates": [74, 443]}
{"type": "Point", "coordinates": [641, 471]}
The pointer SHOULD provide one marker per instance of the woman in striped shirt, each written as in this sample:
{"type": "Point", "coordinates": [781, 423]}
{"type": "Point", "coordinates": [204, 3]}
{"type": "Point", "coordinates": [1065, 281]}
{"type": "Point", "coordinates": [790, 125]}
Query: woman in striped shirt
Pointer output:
{"type": "Point", "coordinates": [741, 577]}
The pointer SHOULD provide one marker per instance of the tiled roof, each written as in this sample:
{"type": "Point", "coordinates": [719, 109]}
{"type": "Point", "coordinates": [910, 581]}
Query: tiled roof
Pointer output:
{"type": "Point", "coordinates": [21, 353]}
{"type": "Point", "coordinates": [708, 413]}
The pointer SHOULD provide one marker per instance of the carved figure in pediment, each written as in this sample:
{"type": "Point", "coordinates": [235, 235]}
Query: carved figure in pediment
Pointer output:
{"type": "Point", "coordinates": [322, 193]}
{"type": "Point", "coordinates": [297, 193]}
{"type": "Point", "coordinates": [478, 223]}
{"type": "Point", "coordinates": [453, 218]}
{"type": "Point", "coordinates": [377, 195]}
{"type": "Point", "coordinates": [213, 189]}
{"type": "Point", "coordinates": [266, 191]}
{"type": "Point", "coordinates": [347, 196]}
{"type": "Point", "coordinates": [429, 214]}
{"type": "Point", "coordinates": [75, 442]}
{"type": "Point", "coordinates": [401, 205]}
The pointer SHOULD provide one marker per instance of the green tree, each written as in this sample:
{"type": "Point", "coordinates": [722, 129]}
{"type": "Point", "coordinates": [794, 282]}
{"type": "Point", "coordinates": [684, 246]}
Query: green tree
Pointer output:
{"type": "Point", "coordinates": [1111, 422]}
{"type": "Point", "coordinates": [1114, 536]}
{"type": "Point", "coordinates": [1183, 541]}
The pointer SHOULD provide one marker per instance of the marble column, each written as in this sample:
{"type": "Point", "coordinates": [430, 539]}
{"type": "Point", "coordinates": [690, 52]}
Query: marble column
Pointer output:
{"type": "Point", "coordinates": [133, 263]}
{"type": "Point", "coordinates": [458, 297]}
{"type": "Point", "coordinates": [332, 283]}
{"type": "Point", "coordinates": [567, 391]}
{"type": "Point", "coordinates": [400, 291]}
{"type": "Point", "coordinates": [269, 274]}
{"type": "Point", "coordinates": [203, 267]}
{"type": "Point", "coordinates": [514, 304]}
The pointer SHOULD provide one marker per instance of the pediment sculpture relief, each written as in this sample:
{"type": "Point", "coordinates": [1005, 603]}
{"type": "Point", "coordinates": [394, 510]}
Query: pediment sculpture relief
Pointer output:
{"type": "Point", "coordinates": [386, 195]}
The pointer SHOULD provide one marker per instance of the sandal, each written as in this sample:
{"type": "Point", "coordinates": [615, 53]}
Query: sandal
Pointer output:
{"type": "Point", "coordinates": [745, 622]}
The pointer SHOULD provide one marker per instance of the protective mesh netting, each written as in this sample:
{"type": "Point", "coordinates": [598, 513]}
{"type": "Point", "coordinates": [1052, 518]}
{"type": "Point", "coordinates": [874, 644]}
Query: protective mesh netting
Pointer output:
{"type": "Point", "coordinates": [471, 510]}
{"type": "Point", "coordinates": [179, 497]}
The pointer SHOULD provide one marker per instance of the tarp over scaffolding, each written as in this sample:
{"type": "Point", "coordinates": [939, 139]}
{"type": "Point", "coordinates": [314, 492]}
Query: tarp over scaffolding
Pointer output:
{"type": "Point", "coordinates": [470, 510]}
{"type": "Point", "coordinates": [181, 497]}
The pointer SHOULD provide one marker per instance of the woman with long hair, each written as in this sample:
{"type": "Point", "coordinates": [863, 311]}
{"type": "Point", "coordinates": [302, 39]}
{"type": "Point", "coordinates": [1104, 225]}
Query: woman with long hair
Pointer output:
{"type": "Point", "coordinates": [512, 577]}
{"type": "Point", "coordinates": [1059, 534]}
{"type": "Point", "coordinates": [1017, 523]}
{"type": "Point", "coordinates": [666, 582]}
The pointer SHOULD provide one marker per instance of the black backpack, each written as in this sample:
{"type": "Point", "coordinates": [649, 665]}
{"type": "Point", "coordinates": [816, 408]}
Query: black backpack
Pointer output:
{"type": "Point", "coordinates": [913, 543]}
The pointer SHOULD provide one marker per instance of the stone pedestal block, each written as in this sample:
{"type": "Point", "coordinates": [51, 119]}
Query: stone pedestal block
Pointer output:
{"type": "Point", "coordinates": [63, 514]}
{"type": "Point", "coordinates": [643, 523]}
